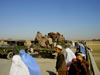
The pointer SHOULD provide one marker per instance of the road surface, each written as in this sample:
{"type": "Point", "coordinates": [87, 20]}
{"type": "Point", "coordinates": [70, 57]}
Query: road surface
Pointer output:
{"type": "Point", "coordinates": [47, 66]}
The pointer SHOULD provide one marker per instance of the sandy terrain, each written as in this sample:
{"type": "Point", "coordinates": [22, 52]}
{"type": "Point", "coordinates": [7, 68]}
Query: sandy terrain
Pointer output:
{"type": "Point", "coordinates": [47, 66]}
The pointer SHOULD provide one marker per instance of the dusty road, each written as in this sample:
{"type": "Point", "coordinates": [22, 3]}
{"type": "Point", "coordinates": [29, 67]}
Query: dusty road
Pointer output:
{"type": "Point", "coordinates": [47, 66]}
{"type": "Point", "coordinates": [4, 66]}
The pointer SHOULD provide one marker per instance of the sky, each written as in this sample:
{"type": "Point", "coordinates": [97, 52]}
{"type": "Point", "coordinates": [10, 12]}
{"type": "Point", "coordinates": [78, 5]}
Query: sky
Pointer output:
{"type": "Point", "coordinates": [75, 19]}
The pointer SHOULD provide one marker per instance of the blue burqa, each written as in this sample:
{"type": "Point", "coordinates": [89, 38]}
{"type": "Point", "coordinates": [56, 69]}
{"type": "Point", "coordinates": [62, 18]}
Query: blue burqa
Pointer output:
{"type": "Point", "coordinates": [82, 49]}
{"type": "Point", "coordinates": [29, 61]}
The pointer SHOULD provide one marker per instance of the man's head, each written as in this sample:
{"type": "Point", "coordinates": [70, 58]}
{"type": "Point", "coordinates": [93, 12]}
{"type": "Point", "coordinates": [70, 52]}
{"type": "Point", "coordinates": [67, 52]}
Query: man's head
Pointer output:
{"type": "Point", "coordinates": [79, 57]}
{"type": "Point", "coordinates": [58, 48]}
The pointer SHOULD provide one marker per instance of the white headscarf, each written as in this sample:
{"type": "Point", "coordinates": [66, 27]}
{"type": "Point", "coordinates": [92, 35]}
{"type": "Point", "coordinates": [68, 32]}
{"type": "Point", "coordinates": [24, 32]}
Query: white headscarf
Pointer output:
{"type": "Point", "coordinates": [69, 56]}
{"type": "Point", "coordinates": [18, 67]}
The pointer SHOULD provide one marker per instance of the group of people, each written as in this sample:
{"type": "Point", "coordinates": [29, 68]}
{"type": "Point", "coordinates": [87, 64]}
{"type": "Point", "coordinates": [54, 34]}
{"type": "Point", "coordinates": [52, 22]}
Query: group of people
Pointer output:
{"type": "Point", "coordinates": [24, 64]}
{"type": "Point", "coordinates": [49, 40]}
{"type": "Point", "coordinates": [69, 64]}
{"type": "Point", "coordinates": [72, 63]}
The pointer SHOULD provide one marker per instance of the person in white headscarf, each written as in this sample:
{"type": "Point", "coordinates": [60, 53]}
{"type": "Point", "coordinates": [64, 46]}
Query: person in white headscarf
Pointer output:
{"type": "Point", "coordinates": [69, 55]}
{"type": "Point", "coordinates": [18, 67]}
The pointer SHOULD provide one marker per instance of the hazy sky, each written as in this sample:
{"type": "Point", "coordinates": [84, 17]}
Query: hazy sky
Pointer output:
{"type": "Point", "coordinates": [75, 19]}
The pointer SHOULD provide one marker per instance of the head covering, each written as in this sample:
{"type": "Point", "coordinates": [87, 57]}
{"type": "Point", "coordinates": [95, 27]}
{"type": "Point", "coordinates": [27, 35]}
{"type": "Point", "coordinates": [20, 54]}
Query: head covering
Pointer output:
{"type": "Point", "coordinates": [80, 54]}
{"type": "Point", "coordinates": [18, 67]}
{"type": "Point", "coordinates": [69, 56]}
{"type": "Point", "coordinates": [29, 61]}
{"type": "Point", "coordinates": [59, 46]}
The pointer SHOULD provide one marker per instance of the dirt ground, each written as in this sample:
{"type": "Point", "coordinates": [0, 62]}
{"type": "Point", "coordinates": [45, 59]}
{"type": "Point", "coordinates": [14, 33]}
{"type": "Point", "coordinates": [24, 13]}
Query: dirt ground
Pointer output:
{"type": "Point", "coordinates": [47, 66]}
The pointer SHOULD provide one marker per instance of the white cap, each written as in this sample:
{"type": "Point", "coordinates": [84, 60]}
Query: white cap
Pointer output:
{"type": "Point", "coordinates": [59, 46]}
{"type": "Point", "coordinates": [81, 54]}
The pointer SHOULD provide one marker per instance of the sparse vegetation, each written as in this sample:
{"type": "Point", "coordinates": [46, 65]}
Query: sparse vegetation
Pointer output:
{"type": "Point", "coordinates": [95, 45]}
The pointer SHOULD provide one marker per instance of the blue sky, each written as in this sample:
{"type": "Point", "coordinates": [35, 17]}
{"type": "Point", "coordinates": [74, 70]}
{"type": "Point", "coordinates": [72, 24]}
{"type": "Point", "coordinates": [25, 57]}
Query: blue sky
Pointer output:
{"type": "Point", "coordinates": [75, 19]}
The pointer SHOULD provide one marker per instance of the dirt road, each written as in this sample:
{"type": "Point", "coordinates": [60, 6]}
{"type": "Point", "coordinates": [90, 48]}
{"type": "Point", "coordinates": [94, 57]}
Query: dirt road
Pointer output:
{"type": "Point", "coordinates": [47, 66]}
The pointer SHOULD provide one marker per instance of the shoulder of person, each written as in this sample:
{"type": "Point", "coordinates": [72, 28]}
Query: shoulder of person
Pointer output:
{"type": "Point", "coordinates": [61, 55]}
{"type": "Point", "coordinates": [86, 63]}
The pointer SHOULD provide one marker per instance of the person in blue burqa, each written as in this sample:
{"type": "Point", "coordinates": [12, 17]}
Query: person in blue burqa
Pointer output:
{"type": "Point", "coordinates": [29, 61]}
